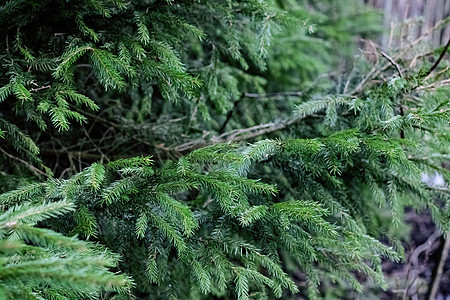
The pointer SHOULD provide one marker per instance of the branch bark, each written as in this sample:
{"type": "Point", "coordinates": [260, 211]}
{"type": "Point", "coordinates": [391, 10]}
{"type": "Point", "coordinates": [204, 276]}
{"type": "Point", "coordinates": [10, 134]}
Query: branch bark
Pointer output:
{"type": "Point", "coordinates": [32, 168]}
{"type": "Point", "coordinates": [392, 61]}
{"type": "Point", "coordinates": [236, 135]}
{"type": "Point", "coordinates": [439, 59]}
{"type": "Point", "coordinates": [440, 268]}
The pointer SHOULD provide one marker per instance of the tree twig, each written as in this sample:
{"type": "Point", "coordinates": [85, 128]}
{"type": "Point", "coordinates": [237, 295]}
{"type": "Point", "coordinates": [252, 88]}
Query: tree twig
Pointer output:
{"type": "Point", "coordinates": [392, 61]}
{"type": "Point", "coordinates": [434, 84]}
{"type": "Point", "coordinates": [41, 88]}
{"type": "Point", "coordinates": [235, 135]}
{"type": "Point", "coordinates": [414, 259]}
{"type": "Point", "coordinates": [30, 166]}
{"type": "Point", "coordinates": [272, 95]}
{"type": "Point", "coordinates": [439, 269]}
{"type": "Point", "coordinates": [256, 96]}
{"type": "Point", "coordinates": [439, 59]}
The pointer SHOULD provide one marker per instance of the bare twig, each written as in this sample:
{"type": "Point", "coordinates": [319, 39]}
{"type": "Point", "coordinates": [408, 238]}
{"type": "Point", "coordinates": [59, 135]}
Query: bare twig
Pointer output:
{"type": "Point", "coordinates": [236, 135]}
{"type": "Point", "coordinates": [103, 155]}
{"type": "Point", "coordinates": [437, 74]}
{"type": "Point", "coordinates": [30, 166]}
{"type": "Point", "coordinates": [415, 267]}
{"type": "Point", "coordinates": [414, 259]}
{"type": "Point", "coordinates": [84, 155]}
{"type": "Point", "coordinates": [396, 65]}
{"type": "Point", "coordinates": [392, 61]}
{"type": "Point", "coordinates": [272, 95]}
{"type": "Point", "coordinates": [391, 35]}
{"type": "Point", "coordinates": [256, 96]}
{"type": "Point", "coordinates": [434, 84]}
{"type": "Point", "coordinates": [439, 59]}
{"type": "Point", "coordinates": [230, 114]}
{"type": "Point", "coordinates": [350, 77]}
{"type": "Point", "coordinates": [41, 88]}
{"type": "Point", "coordinates": [439, 269]}
{"type": "Point", "coordinates": [372, 73]}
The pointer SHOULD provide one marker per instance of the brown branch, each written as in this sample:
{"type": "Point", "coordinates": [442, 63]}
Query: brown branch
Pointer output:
{"type": "Point", "coordinates": [85, 155]}
{"type": "Point", "coordinates": [103, 155]}
{"type": "Point", "coordinates": [30, 166]}
{"type": "Point", "coordinates": [434, 85]}
{"type": "Point", "coordinates": [437, 74]}
{"type": "Point", "coordinates": [41, 88]}
{"type": "Point", "coordinates": [439, 59]}
{"type": "Point", "coordinates": [254, 131]}
{"type": "Point", "coordinates": [392, 61]}
{"type": "Point", "coordinates": [235, 135]}
{"type": "Point", "coordinates": [272, 95]}
{"type": "Point", "coordinates": [439, 269]}
{"type": "Point", "coordinates": [256, 96]}
{"type": "Point", "coordinates": [397, 66]}
{"type": "Point", "coordinates": [414, 258]}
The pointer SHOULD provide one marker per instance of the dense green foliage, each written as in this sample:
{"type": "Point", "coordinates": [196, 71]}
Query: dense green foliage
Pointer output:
{"type": "Point", "coordinates": [311, 206]}
{"type": "Point", "coordinates": [38, 263]}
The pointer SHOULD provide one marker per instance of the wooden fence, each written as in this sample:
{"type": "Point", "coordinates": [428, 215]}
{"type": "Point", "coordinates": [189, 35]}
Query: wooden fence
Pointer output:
{"type": "Point", "coordinates": [427, 13]}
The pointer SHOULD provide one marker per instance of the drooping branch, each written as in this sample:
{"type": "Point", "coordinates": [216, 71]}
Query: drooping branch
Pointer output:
{"type": "Point", "coordinates": [274, 95]}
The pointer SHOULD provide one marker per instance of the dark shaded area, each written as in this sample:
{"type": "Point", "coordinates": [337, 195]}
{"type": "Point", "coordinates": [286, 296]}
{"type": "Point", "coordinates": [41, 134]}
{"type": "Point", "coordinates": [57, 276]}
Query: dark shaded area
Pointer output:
{"type": "Point", "coordinates": [412, 279]}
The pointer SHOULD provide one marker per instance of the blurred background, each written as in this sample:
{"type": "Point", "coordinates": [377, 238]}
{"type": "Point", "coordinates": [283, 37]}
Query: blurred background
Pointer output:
{"type": "Point", "coordinates": [428, 12]}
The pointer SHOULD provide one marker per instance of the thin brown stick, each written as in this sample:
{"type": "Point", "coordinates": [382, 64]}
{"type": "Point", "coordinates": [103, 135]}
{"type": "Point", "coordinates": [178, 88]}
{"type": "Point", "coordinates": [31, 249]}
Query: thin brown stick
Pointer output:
{"type": "Point", "coordinates": [438, 73]}
{"type": "Point", "coordinates": [414, 259]}
{"type": "Point", "coordinates": [230, 114]}
{"type": "Point", "coordinates": [434, 85]}
{"type": "Point", "coordinates": [272, 95]}
{"type": "Point", "coordinates": [440, 268]}
{"type": "Point", "coordinates": [236, 135]}
{"type": "Point", "coordinates": [30, 166]}
{"type": "Point", "coordinates": [391, 35]}
{"type": "Point", "coordinates": [392, 61]}
{"type": "Point", "coordinates": [103, 155]}
{"type": "Point", "coordinates": [41, 88]}
{"type": "Point", "coordinates": [439, 59]}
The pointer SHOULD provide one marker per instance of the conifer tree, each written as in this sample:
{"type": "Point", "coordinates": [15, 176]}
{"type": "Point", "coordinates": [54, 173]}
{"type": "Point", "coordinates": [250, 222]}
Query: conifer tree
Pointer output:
{"type": "Point", "coordinates": [143, 111]}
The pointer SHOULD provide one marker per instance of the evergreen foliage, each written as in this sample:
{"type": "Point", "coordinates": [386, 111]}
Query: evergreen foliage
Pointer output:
{"type": "Point", "coordinates": [312, 203]}
{"type": "Point", "coordinates": [38, 263]}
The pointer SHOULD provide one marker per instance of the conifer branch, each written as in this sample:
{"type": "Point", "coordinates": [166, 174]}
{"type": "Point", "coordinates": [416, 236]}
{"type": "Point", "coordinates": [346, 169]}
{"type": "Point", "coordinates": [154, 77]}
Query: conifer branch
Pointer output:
{"type": "Point", "coordinates": [226, 218]}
